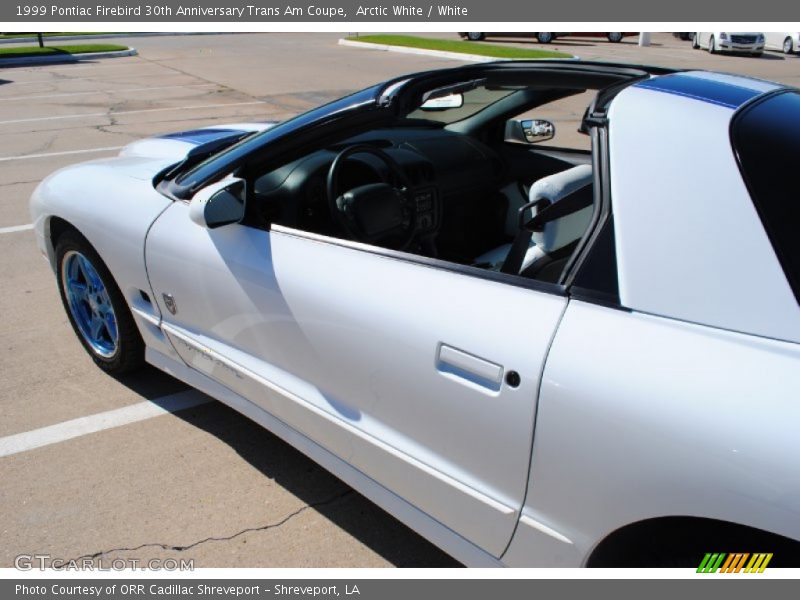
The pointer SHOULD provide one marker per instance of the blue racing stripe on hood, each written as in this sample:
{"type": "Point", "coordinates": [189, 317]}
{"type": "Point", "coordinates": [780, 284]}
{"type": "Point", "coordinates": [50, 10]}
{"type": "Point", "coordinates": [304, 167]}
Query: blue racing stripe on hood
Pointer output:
{"type": "Point", "coordinates": [201, 136]}
{"type": "Point", "coordinates": [720, 93]}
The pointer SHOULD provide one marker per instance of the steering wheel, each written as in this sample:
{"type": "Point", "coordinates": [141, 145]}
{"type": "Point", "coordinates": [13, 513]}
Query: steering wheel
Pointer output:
{"type": "Point", "coordinates": [375, 211]}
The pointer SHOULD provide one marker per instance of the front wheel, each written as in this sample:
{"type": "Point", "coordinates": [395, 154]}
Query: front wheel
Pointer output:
{"type": "Point", "coordinates": [96, 308]}
{"type": "Point", "coordinates": [788, 45]}
{"type": "Point", "coordinates": [711, 45]}
{"type": "Point", "coordinates": [615, 37]}
{"type": "Point", "coordinates": [475, 36]}
{"type": "Point", "coordinates": [695, 42]}
{"type": "Point", "coordinates": [544, 37]}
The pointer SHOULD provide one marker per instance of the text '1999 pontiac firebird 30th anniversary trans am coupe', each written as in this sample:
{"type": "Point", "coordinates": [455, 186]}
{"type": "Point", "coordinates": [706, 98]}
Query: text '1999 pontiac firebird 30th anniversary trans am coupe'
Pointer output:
{"type": "Point", "coordinates": [532, 355]}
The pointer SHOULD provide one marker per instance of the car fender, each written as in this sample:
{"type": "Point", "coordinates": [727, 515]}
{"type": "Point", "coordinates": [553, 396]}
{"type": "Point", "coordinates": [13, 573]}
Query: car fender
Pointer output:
{"type": "Point", "coordinates": [112, 203]}
{"type": "Point", "coordinates": [643, 417]}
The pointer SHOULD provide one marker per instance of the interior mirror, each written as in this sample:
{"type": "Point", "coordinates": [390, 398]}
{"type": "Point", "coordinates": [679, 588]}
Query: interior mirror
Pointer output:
{"type": "Point", "coordinates": [529, 131]}
{"type": "Point", "coordinates": [218, 204]}
{"type": "Point", "coordinates": [444, 102]}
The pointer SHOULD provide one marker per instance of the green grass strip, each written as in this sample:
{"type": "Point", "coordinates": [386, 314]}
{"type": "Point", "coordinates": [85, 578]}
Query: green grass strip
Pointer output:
{"type": "Point", "coordinates": [461, 47]}
{"type": "Point", "coordinates": [25, 51]}
{"type": "Point", "coordinates": [13, 36]}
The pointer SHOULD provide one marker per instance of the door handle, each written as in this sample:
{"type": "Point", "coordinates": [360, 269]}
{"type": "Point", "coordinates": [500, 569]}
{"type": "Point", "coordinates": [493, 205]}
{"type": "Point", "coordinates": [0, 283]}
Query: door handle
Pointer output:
{"type": "Point", "coordinates": [466, 366]}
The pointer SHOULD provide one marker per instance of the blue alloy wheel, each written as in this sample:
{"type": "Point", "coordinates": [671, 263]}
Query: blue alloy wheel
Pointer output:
{"type": "Point", "coordinates": [89, 304]}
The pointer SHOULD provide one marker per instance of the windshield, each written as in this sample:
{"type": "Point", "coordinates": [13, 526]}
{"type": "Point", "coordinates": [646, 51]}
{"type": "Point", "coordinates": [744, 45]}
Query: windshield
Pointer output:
{"type": "Point", "coordinates": [227, 160]}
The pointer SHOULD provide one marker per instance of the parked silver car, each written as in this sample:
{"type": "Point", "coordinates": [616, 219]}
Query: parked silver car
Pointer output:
{"type": "Point", "coordinates": [725, 41]}
{"type": "Point", "coordinates": [786, 41]}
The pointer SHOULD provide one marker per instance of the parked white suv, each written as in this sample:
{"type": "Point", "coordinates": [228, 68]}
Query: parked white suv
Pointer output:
{"type": "Point", "coordinates": [722, 41]}
{"type": "Point", "coordinates": [779, 40]}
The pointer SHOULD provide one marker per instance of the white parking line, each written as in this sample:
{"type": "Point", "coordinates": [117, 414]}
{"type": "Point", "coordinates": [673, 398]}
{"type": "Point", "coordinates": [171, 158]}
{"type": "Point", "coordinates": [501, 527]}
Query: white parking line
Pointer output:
{"type": "Point", "coordinates": [64, 153]}
{"type": "Point", "coordinates": [61, 432]}
{"type": "Point", "coordinates": [16, 228]}
{"type": "Point", "coordinates": [51, 81]}
{"type": "Point", "coordinates": [86, 93]}
{"type": "Point", "coordinates": [130, 112]}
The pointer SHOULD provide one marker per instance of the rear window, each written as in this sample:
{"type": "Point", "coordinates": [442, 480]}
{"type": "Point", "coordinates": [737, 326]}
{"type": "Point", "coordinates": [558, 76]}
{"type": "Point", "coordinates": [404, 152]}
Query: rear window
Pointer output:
{"type": "Point", "coordinates": [766, 140]}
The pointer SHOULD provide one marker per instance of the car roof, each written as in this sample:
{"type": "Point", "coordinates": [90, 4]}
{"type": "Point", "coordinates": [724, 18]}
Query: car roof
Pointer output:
{"type": "Point", "coordinates": [721, 89]}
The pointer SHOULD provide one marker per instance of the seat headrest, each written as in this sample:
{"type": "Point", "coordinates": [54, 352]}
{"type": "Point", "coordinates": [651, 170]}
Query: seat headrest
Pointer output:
{"type": "Point", "coordinates": [565, 230]}
{"type": "Point", "coordinates": [558, 185]}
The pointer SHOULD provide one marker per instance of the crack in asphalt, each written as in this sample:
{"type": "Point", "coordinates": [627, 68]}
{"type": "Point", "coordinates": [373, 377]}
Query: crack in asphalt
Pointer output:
{"type": "Point", "coordinates": [163, 65]}
{"type": "Point", "coordinates": [309, 98]}
{"type": "Point", "coordinates": [228, 538]}
{"type": "Point", "coordinates": [10, 183]}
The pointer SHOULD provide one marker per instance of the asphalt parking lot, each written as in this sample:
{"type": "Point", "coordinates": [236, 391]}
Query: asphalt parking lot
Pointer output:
{"type": "Point", "coordinates": [204, 482]}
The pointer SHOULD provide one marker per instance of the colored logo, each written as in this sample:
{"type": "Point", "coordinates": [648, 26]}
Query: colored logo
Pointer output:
{"type": "Point", "coordinates": [721, 562]}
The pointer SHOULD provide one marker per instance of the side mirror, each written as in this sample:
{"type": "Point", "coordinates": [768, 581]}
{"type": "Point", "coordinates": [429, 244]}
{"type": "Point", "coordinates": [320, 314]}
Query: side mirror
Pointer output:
{"type": "Point", "coordinates": [529, 131]}
{"type": "Point", "coordinates": [218, 204]}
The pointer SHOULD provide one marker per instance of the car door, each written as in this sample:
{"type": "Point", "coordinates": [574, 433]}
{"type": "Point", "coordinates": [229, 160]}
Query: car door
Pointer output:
{"type": "Point", "coordinates": [422, 377]}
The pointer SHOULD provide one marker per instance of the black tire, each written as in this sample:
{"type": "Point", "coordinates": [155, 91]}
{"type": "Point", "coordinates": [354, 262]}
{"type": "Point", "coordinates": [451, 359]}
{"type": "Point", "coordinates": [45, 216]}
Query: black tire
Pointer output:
{"type": "Point", "coordinates": [695, 42]}
{"type": "Point", "coordinates": [544, 37]}
{"type": "Point", "coordinates": [615, 37]}
{"type": "Point", "coordinates": [711, 43]}
{"type": "Point", "coordinates": [129, 353]}
{"type": "Point", "coordinates": [788, 46]}
{"type": "Point", "coordinates": [475, 36]}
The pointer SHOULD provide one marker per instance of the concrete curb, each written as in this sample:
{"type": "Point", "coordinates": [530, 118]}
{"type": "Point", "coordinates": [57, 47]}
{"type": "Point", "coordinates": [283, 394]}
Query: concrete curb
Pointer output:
{"type": "Point", "coordinates": [69, 58]}
{"type": "Point", "coordinates": [106, 36]}
{"type": "Point", "coordinates": [436, 53]}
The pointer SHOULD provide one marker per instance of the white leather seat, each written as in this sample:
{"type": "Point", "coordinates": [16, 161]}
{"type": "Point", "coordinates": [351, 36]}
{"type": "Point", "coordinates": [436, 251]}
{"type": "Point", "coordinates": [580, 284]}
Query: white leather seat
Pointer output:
{"type": "Point", "coordinates": [556, 234]}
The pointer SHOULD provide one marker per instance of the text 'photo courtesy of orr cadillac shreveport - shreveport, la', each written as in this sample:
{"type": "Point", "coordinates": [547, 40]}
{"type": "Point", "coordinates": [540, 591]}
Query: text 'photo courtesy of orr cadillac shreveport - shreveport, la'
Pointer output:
{"type": "Point", "coordinates": [533, 346]}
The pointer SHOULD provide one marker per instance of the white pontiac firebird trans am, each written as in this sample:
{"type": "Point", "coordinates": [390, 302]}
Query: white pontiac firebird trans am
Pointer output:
{"type": "Point", "coordinates": [531, 355]}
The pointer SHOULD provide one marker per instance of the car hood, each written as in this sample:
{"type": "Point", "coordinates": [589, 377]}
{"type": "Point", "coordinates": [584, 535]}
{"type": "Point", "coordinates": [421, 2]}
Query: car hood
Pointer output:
{"type": "Point", "coordinates": [145, 158]}
{"type": "Point", "coordinates": [174, 146]}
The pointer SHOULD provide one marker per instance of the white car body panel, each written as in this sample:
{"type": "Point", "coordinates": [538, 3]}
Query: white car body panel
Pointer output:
{"type": "Point", "coordinates": [663, 375]}
{"type": "Point", "coordinates": [406, 512]}
{"type": "Point", "coordinates": [390, 372]}
{"type": "Point", "coordinates": [118, 229]}
{"type": "Point", "coordinates": [695, 269]}
{"type": "Point", "coordinates": [368, 389]}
